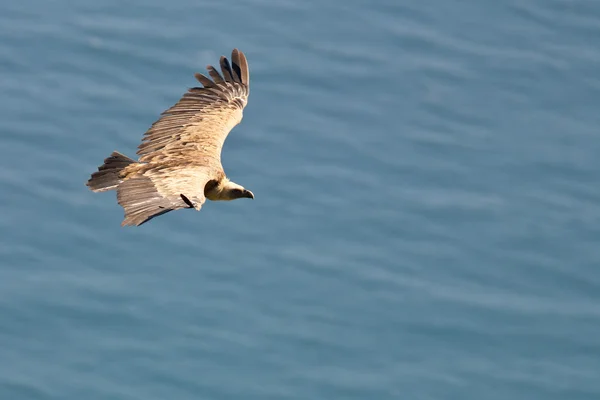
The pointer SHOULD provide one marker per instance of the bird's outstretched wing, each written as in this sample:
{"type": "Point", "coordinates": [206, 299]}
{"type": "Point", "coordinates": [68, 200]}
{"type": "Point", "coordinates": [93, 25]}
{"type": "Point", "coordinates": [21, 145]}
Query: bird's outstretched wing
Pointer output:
{"type": "Point", "coordinates": [160, 189]}
{"type": "Point", "coordinates": [195, 128]}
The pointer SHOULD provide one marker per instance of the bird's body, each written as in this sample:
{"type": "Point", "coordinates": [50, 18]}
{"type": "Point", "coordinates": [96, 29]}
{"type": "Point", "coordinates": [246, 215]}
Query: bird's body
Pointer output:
{"type": "Point", "coordinates": [180, 155]}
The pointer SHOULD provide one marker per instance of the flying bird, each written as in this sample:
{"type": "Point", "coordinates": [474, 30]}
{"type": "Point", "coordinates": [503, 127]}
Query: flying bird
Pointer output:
{"type": "Point", "coordinates": [179, 163]}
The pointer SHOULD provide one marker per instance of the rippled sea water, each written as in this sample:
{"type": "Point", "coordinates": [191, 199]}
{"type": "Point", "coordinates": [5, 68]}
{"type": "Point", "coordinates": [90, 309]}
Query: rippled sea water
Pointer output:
{"type": "Point", "coordinates": [427, 212]}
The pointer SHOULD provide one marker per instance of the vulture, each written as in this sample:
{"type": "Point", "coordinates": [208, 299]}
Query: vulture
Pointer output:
{"type": "Point", "coordinates": [179, 163]}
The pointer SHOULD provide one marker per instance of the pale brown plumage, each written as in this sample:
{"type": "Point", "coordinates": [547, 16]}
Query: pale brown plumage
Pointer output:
{"type": "Point", "coordinates": [180, 154]}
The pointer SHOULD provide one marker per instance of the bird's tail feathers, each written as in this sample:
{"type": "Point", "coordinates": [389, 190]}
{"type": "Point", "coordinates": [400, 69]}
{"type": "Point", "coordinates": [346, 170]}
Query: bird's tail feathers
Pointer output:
{"type": "Point", "coordinates": [107, 176]}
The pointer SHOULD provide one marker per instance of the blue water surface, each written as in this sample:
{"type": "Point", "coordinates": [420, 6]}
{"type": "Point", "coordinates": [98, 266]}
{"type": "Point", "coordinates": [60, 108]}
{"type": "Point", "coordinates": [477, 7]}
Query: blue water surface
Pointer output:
{"type": "Point", "coordinates": [427, 213]}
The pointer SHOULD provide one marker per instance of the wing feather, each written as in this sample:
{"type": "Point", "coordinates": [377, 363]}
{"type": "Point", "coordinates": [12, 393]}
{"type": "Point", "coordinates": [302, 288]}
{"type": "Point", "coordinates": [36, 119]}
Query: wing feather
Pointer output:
{"type": "Point", "coordinates": [206, 82]}
{"type": "Point", "coordinates": [240, 66]}
{"type": "Point", "coordinates": [214, 74]}
{"type": "Point", "coordinates": [226, 69]}
{"type": "Point", "coordinates": [156, 191]}
{"type": "Point", "coordinates": [195, 128]}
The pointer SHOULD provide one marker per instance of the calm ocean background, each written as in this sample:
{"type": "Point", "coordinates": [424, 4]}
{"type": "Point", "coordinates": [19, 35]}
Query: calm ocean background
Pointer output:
{"type": "Point", "coordinates": [427, 213]}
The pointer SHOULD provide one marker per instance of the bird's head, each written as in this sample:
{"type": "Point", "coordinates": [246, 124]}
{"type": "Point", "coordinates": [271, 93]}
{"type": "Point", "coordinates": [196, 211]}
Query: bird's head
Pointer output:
{"type": "Point", "coordinates": [232, 191]}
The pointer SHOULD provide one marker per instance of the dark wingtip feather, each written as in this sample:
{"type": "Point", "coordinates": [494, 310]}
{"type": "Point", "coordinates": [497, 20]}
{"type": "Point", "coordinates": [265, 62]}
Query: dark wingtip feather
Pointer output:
{"type": "Point", "coordinates": [214, 74]}
{"type": "Point", "coordinates": [206, 82]}
{"type": "Point", "coordinates": [235, 65]}
{"type": "Point", "coordinates": [226, 69]}
{"type": "Point", "coordinates": [236, 71]}
{"type": "Point", "coordinates": [240, 66]}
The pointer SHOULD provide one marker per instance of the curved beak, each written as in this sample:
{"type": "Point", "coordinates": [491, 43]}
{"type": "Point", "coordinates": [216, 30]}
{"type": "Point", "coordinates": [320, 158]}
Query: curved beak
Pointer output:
{"type": "Point", "coordinates": [248, 194]}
